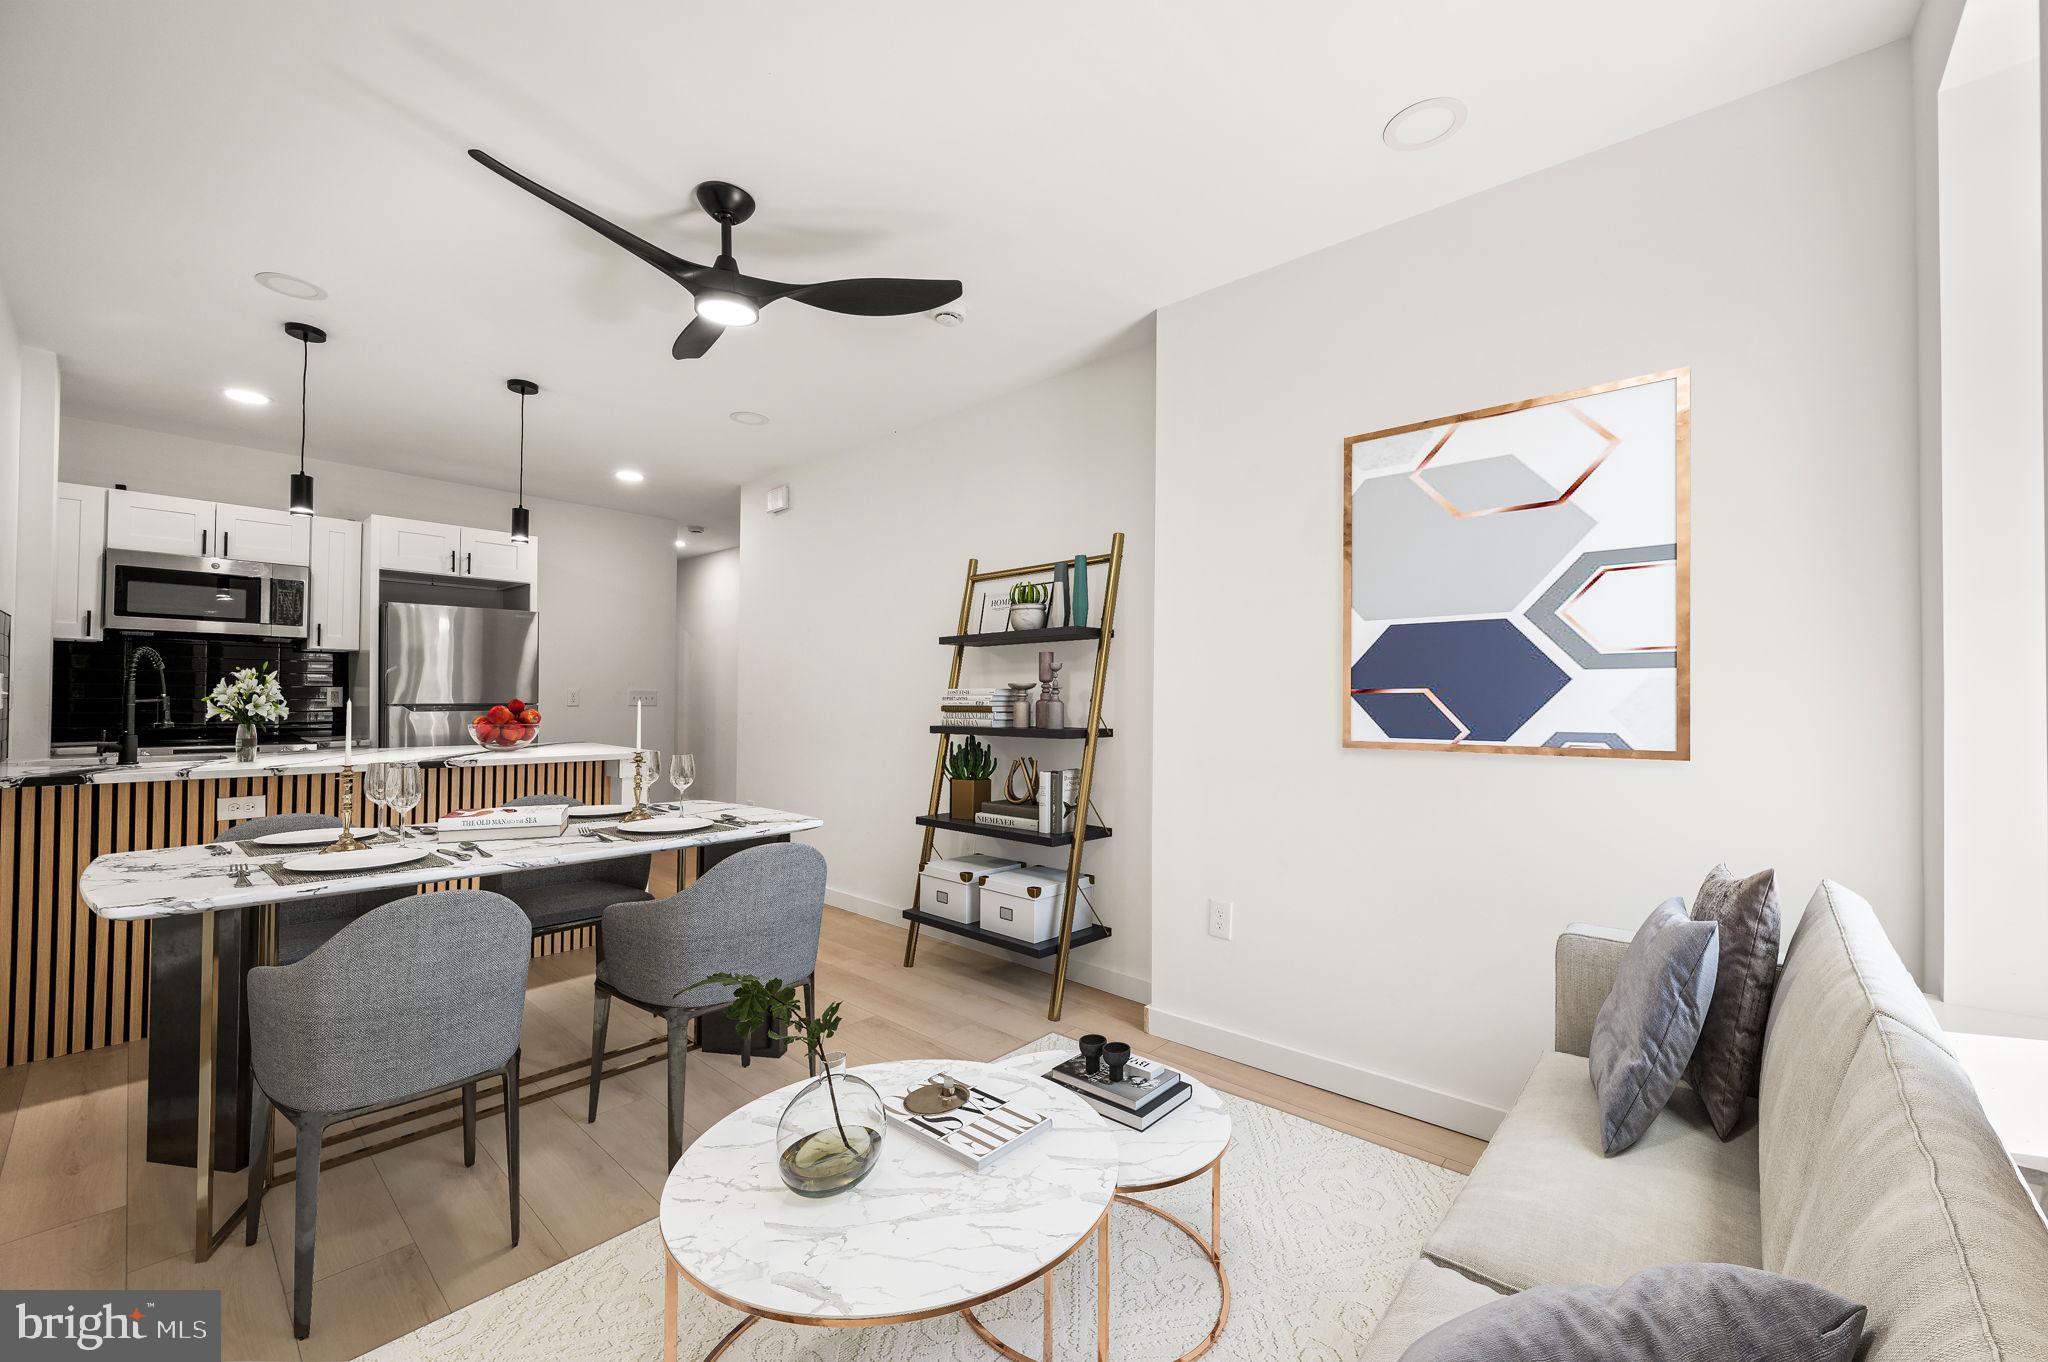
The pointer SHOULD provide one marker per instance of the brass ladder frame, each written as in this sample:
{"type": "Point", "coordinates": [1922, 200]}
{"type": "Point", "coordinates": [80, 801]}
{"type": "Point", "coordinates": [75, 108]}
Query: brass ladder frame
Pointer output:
{"type": "Point", "coordinates": [1115, 559]}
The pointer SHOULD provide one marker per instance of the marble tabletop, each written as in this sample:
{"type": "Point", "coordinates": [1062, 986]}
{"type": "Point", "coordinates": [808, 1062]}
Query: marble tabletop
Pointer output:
{"type": "Point", "coordinates": [197, 879]}
{"type": "Point", "coordinates": [284, 760]}
{"type": "Point", "coordinates": [921, 1235]}
{"type": "Point", "coordinates": [1182, 1144]}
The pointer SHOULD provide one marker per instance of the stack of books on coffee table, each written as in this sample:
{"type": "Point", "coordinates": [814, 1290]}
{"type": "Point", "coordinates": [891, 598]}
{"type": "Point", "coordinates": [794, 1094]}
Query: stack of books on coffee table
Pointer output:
{"type": "Point", "coordinates": [1147, 1091]}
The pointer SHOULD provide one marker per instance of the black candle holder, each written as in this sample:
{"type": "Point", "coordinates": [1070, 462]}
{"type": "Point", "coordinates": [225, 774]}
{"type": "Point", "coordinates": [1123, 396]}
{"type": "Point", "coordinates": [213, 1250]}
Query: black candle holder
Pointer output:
{"type": "Point", "coordinates": [1116, 1054]}
{"type": "Point", "coordinates": [1091, 1052]}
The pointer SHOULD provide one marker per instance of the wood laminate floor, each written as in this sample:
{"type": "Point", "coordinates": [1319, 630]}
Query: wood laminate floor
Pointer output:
{"type": "Point", "coordinates": [409, 1234]}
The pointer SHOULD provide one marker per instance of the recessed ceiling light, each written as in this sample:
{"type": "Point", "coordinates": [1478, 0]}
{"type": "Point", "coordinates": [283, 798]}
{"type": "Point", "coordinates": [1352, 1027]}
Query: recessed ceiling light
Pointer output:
{"type": "Point", "coordinates": [1424, 124]}
{"type": "Point", "coordinates": [748, 418]}
{"type": "Point", "coordinates": [682, 543]}
{"type": "Point", "coordinates": [291, 286]}
{"type": "Point", "coordinates": [630, 475]}
{"type": "Point", "coordinates": [248, 397]}
{"type": "Point", "coordinates": [949, 317]}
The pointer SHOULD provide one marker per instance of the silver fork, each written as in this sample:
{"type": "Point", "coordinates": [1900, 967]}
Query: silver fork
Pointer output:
{"type": "Point", "coordinates": [240, 870]}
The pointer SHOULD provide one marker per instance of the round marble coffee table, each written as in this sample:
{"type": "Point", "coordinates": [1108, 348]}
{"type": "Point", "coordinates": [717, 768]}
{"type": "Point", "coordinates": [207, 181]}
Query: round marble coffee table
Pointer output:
{"type": "Point", "coordinates": [1183, 1145]}
{"type": "Point", "coordinates": [923, 1235]}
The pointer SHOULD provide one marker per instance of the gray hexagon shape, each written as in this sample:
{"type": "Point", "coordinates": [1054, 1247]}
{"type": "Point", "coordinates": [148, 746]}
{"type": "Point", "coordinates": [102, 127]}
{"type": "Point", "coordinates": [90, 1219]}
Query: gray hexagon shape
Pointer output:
{"type": "Point", "coordinates": [1544, 613]}
{"type": "Point", "coordinates": [1412, 559]}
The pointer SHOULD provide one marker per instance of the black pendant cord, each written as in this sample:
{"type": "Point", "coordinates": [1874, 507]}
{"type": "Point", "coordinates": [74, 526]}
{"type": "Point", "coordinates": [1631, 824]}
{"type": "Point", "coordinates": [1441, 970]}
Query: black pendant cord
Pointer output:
{"type": "Point", "coordinates": [522, 449]}
{"type": "Point", "coordinates": [305, 365]}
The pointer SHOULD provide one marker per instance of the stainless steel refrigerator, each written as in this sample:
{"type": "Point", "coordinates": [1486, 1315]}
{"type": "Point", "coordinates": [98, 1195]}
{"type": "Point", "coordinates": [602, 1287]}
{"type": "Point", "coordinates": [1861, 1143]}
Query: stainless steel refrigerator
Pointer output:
{"type": "Point", "coordinates": [446, 664]}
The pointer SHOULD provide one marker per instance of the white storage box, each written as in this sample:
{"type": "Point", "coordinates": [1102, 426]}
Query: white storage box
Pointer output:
{"type": "Point", "coordinates": [952, 887]}
{"type": "Point", "coordinates": [1024, 904]}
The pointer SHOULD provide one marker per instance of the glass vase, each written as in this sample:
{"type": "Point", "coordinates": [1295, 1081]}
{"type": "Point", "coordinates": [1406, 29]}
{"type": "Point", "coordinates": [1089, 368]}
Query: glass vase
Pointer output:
{"type": "Point", "coordinates": [245, 742]}
{"type": "Point", "coordinates": [830, 1134]}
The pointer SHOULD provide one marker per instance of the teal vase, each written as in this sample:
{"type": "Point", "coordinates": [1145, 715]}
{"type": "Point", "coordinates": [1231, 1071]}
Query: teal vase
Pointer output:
{"type": "Point", "coordinates": [1080, 591]}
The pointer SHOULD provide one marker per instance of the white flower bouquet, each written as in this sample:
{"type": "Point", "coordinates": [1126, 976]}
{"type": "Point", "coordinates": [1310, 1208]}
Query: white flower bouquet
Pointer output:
{"type": "Point", "coordinates": [250, 695]}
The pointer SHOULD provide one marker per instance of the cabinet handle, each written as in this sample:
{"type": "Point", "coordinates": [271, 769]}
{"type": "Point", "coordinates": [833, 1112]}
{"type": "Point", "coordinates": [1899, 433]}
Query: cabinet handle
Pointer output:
{"type": "Point", "coordinates": [319, 634]}
{"type": "Point", "coordinates": [469, 563]}
{"type": "Point", "coordinates": [451, 560]}
{"type": "Point", "coordinates": [223, 543]}
{"type": "Point", "coordinates": [203, 535]}
{"type": "Point", "coordinates": [88, 624]}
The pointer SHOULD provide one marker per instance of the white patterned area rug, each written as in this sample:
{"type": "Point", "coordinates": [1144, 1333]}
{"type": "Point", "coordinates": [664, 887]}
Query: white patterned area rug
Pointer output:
{"type": "Point", "coordinates": [1319, 1228]}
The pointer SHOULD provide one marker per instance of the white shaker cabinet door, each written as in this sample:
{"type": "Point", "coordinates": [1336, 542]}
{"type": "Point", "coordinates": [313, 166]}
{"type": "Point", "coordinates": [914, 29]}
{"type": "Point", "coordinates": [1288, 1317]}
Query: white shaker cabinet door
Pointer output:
{"type": "Point", "coordinates": [145, 522]}
{"type": "Point", "coordinates": [418, 546]}
{"type": "Point", "coordinates": [336, 620]}
{"type": "Point", "coordinates": [262, 535]}
{"type": "Point", "coordinates": [79, 539]}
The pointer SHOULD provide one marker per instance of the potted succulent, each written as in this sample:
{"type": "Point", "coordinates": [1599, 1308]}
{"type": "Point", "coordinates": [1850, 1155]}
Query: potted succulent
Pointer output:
{"type": "Point", "coordinates": [1029, 604]}
{"type": "Point", "coordinates": [245, 698]}
{"type": "Point", "coordinates": [830, 1134]}
{"type": "Point", "coordinates": [971, 764]}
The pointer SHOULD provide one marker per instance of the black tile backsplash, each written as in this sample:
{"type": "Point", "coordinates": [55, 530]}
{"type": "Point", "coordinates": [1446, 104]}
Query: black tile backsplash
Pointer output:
{"type": "Point", "coordinates": [86, 696]}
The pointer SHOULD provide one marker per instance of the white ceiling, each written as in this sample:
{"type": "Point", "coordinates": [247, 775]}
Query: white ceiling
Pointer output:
{"type": "Point", "coordinates": [1078, 164]}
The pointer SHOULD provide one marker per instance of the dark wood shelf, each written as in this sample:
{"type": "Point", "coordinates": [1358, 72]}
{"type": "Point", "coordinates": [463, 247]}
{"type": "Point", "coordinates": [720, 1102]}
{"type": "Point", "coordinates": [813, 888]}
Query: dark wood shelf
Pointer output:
{"type": "Point", "coordinates": [1037, 950]}
{"type": "Point", "coordinates": [1096, 832]}
{"type": "Point", "coordinates": [1020, 637]}
{"type": "Point", "coordinates": [981, 730]}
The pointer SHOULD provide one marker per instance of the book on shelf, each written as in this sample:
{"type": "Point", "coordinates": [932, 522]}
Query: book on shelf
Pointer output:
{"type": "Point", "coordinates": [1145, 1083]}
{"type": "Point", "coordinates": [978, 1133]}
{"type": "Point", "coordinates": [970, 707]}
{"type": "Point", "coordinates": [976, 720]}
{"type": "Point", "coordinates": [1003, 814]}
{"type": "Point", "coordinates": [970, 697]}
{"type": "Point", "coordinates": [1058, 793]}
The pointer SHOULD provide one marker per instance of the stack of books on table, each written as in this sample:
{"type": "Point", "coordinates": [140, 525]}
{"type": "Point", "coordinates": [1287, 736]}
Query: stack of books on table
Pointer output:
{"type": "Point", "coordinates": [976, 707]}
{"type": "Point", "coordinates": [1142, 1097]}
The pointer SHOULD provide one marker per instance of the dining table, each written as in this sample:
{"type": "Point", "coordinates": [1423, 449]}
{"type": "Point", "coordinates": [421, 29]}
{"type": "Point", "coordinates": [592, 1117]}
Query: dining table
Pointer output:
{"type": "Point", "coordinates": [218, 879]}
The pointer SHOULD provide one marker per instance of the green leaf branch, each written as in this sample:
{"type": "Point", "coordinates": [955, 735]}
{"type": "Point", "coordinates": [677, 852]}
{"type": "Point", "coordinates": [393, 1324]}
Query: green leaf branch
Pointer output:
{"type": "Point", "coordinates": [774, 1005]}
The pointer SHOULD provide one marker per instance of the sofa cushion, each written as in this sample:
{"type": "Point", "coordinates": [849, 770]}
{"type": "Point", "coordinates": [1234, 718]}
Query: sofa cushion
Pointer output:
{"type": "Point", "coordinates": [1702, 1312]}
{"type": "Point", "coordinates": [1840, 972]}
{"type": "Point", "coordinates": [1429, 1296]}
{"type": "Point", "coordinates": [1647, 1028]}
{"type": "Point", "coordinates": [1730, 1054]}
{"type": "Point", "coordinates": [1545, 1207]}
{"type": "Point", "coordinates": [1913, 1208]}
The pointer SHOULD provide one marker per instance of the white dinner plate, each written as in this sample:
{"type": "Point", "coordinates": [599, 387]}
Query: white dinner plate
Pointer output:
{"type": "Point", "coordinates": [311, 837]}
{"type": "Point", "coordinates": [666, 823]}
{"type": "Point", "coordinates": [371, 859]}
{"type": "Point", "coordinates": [599, 810]}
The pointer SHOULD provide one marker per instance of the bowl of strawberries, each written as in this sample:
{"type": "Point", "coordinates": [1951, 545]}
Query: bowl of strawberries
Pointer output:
{"type": "Point", "coordinates": [501, 728]}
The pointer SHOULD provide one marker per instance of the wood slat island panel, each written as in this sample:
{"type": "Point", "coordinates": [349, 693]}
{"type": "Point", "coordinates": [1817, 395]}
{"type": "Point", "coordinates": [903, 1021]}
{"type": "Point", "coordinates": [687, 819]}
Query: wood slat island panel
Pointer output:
{"type": "Point", "coordinates": [74, 981]}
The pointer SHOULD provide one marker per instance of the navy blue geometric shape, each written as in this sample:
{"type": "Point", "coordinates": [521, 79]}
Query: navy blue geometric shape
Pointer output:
{"type": "Point", "coordinates": [1486, 672]}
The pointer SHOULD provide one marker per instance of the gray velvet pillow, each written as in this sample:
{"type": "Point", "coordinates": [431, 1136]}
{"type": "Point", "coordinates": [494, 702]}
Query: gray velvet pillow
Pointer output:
{"type": "Point", "coordinates": [1731, 1049]}
{"type": "Point", "coordinates": [1688, 1312]}
{"type": "Point", "coordinates": [1645, 1032]}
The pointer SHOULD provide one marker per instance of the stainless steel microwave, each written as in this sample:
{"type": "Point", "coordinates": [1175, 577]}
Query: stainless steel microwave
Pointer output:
{"type": "Point", "coordinates": [196, 595]}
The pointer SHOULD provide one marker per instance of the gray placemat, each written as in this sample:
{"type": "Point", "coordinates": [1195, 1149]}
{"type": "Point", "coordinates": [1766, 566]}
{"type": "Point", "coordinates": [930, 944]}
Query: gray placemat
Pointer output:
{"type": "Point", "coordinates": [434, 860]}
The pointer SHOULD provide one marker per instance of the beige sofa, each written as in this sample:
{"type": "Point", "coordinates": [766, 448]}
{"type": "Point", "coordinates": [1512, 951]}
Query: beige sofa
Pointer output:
{"type": "Point", "coordinates": [1869, 1168]}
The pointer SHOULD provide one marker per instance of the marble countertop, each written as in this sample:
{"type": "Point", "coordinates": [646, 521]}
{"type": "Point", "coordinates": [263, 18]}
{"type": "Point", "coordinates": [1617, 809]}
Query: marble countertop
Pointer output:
{"type": "Point", "coordinates": [128, 885]}
{"type": "Point", "coordinates": [282, 762]}
{"type": "Point", "coordinates": [1179, 1145]}
{"type": "Point", "coordinates": [922, 1234]}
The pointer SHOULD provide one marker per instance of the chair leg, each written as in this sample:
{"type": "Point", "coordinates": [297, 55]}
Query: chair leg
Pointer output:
{"type": "Point", "coordinates": [259, 1157]}
{"type": "Point", "coordinates": [512, 1139]}
{"type": "Point", "coordinates": [307, 1182]}
{"type": "Point", "coordinates": [811, 1015]}
{"type": "Point", "coordinates": [600, 1022]}
{"type": "Point", "coordinates": [469, 1125]}
{"type": "Point", "coordinates": [678, 1060]}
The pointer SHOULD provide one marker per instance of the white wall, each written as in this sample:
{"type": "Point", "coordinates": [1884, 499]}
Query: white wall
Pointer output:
{"type": "Point", "coordinates": [41, 399]}
{"type": "Point", "coordinates": [708, 669]}
{"type": "Point", "coordinates": [1395, 912]}
{"type": "Point", "coordinates": [1994, 606]}
{"type": "Point", "coordinates": [844, 596]}
{"type": "Point", "coordinates": [10, 448]}
{"type": "Point", "coordinates": [607, 578]}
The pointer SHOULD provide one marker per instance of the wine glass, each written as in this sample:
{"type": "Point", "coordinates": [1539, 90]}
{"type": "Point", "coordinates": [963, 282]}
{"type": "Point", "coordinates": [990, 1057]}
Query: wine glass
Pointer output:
{"type": "Point", "coordinates": [376, 787]}
{"type": "Point", "coordinates": [682, 772]}
{"type": "Point", "coordinates": [402, 792]}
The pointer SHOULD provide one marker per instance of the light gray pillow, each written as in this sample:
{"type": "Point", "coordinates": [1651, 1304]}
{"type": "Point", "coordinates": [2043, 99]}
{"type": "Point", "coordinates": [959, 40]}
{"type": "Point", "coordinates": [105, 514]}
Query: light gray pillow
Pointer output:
{"type": "Point", "coordinates": [1688, 1312]}
{"type": "Point", "coordinates": [1646, 1030]}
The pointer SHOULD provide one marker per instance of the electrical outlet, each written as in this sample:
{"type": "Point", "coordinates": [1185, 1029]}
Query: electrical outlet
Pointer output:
{"type": "Point", "coordinates": [649, 698]}
{"type": "Point", "coordinates": [575, 696]}
{"type": "Point", "coordinates": [1219, 918]}
{"type": "Point", "coordinates": [248, 806]}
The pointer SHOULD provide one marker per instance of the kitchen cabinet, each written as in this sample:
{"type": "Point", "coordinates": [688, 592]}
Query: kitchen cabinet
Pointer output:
{"type": "Point", "coordinates": [418, 546]}
{"type": "Point", "coordinates": [79, 535]}
{"type": "Point", "coordinates": [335, 621]}
{"type": "Point", "coordinates": [495, 555]}
{"type": "Point", "coordinates": [148, 523]}
{"type": "Point", "coordinates": [262, 535]}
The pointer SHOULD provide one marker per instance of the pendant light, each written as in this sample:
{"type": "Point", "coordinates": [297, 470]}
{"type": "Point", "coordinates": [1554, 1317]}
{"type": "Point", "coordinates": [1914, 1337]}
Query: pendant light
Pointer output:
{"type": "Point", "coordinates": [307, 336]}
{"type": "Point", "coordinates": [521, 531]}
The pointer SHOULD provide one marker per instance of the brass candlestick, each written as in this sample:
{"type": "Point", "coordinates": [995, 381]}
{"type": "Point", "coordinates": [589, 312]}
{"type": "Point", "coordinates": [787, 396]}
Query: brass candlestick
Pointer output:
{"type": "Point", "coordinates": [640, 810]}
{"type": "Point", "coordinates": [347, 841]}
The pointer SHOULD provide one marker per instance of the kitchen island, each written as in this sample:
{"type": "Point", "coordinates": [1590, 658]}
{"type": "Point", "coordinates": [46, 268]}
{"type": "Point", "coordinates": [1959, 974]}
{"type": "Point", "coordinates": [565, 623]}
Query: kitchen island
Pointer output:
{"type": "Point", "coordinates": [76, 981]}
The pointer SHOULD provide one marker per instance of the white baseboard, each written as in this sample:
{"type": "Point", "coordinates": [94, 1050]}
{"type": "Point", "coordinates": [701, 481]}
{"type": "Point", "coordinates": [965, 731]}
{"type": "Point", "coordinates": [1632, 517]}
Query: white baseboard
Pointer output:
{"type": "Point", "coordinates": [1986, 1021]}
{"type": "Point", "coordinates": [1079, 970]}
{"type": "Point", "coordinates": [1395, 1094]}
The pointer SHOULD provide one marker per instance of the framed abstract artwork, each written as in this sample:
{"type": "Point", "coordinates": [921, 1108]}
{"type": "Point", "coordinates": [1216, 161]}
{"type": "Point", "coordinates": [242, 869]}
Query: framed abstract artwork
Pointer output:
{"type": "Point", "coordinates": [1518, 579]}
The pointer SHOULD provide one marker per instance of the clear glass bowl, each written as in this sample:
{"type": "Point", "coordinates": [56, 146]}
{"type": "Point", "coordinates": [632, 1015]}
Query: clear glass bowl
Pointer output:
{"type": "Point", "coordinates": [830, 1134]}
{"type": "Point", "coordinates": [502, 737]}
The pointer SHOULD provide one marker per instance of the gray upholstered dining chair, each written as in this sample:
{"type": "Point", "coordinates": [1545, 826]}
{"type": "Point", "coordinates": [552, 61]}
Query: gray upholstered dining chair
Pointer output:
{"type": "Point", "coordinates": [563, 897]}
{"type": "Point", "coordinates": [416, 997]}
{"type": "Point", "coordinates": [759, 912]}
{"type": "Point", "coordinates": [305, 924]}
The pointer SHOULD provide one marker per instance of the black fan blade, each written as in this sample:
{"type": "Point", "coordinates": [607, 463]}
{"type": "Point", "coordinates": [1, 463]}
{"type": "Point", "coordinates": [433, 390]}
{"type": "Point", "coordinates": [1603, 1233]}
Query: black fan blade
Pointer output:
{"type": "Point", "coordinates": [877, 297]}
{"type": "Point", "coordinates": [674, 266]}
{"type": "Point", "coordinates": [696, 338]}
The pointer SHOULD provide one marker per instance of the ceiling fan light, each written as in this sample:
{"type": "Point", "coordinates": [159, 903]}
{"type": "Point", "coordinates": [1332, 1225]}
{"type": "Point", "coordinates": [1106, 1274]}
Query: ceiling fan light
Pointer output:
{"type": "Point", "coordinates": [726, 309]}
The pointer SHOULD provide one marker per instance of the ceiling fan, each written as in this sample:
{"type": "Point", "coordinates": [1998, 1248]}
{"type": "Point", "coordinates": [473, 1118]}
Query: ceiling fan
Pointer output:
{"type": "Point", "coordinates": [724, 296]}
